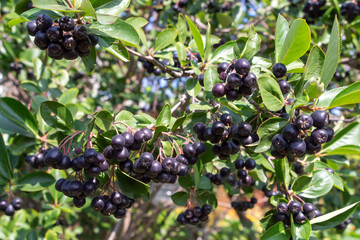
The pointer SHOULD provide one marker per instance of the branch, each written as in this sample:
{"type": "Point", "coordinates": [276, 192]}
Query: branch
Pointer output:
{"type": "Point", "coordinates": [269, 159]}
{"type": "Point", "coordinates": [171, 72]}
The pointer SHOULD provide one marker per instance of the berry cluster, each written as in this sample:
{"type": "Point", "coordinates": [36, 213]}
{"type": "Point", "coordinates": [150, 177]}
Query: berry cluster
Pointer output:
{"type": "Point", "coordinates": [62, 39]}
{"type": "Point", "coordinates": [239, 81]}
{"type": "Point", "coordinates": [269, 193]}
{"type": "Point", "coordinates": [294, 140]}
{"type": "Point", "coordinates": [37, 160]}
{"type": "Point", "coordinates": [150, 67]}
{"type": "Point", "coordinates": [10, 208]}
{"type": "Point", "coordinates": [195, 215]}
{"type": "Point", "coordinates": [300, 213]}
{"type": "Point", "coordinates": [350, 10]}
{"type": "Point", "coordinates": [243, 168]}
{"type": "Point", "coordinates": [116, 204]}
{"type": "Point", "coordinates": [180, 5]}
{"type": "Point", "coordinates": [343, 225]}
{"type": "Point", "coordinates": [77, 190]}
{"type": "Point", "coordinates": [244, 205]}
{"type": "Point", "coordinates": [313, 9]}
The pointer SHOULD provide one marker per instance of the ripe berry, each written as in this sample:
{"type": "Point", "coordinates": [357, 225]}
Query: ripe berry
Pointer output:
{"type": "Point", "coordinates": [146, 160]}
{"type": "Point", "coordinates": [199, 128]}
{"type": "Point", "coordinates": [218, 128]}
{"type": "Point", "coordinates": [280, 217]}
{"type": "Point", "coordinates": [126, 166]}
{"type": "Point", "coordinates": [242, 174]}
{"type": "Point", "coordinates": [94, 39]}
{"type": "Point", "coordinates": [109, 208]}
{"type": "Point", "coordinates": [244, 129]}
{"type": "Point", "coordinates": [118, 142]}
{"type": "Point", "coordinates": [308, 208]}
{"type": "Point", "coordinates": [294, 207]}
{"type": "Point", "coordinates": [54, 34]}
{"type": "Point", "coordinates": [242, 66]}
{"type": "Point", "coordinates": [200, 148]}
{"type": "Point", "coordinates": [89, 188]}
{"type": "Point", "coordinates": [234, 80]}
{"type": "Point", "coordinates": [71, 54]}
{"type": "Point", "coordinates": [330, 133]}
{"type": "Point", "coordinates": [66, 23]}
{"type": "Point", "coordinates": [282, 207]}
{"type": "Point", "coordinates": [93, 171]}
{"type": "Point", "coordinates": [79, 202]}
{"type": "Point", "coordinates": [245, 91]}
{"type": "Point", "coordinates": [278, 142]}
{"type": "Point", "coordinates": [17, 203]}
{"type": "Point", "coordinates": [168, 164]}
{"type": "Point", "coordinates": [189, 150]}
{"type": "Point", "coordinates": [43, 22]}
{"type": "Point", "coordinates": [296, 148]}
{"type": "Point", "coordinates": [194, 221]}
{"type": "Point", "coordinates": [279, 70]}
{"type": "Point", "coordinates": [304, 122]}
{"type": "Point", "coordinates": [183, 170]}
{"type": "Point", "coordinates": [9, 210]}
{"type": "Point", "coordinates": [139, 137]}
{"type": "Point", "coordinates": [69, 42]}
{"type": "Point", "coordinates": [300, 218]}
{"type": "Point", "coordinates": [116, 198]}
{"type": "Point", "coordinates": [320, 118]}
{"type": "Point", "coordinates": [83, 45]}
{"type": "Point", "coordinates": [319, 136]}
{"type": "Point", "coordinates": [226, 119]}
{"type": "Point", "coordinates": [80, 33]}
{"type": "Point", "coordinates": [218, 90]}
{"type": "Point", "coordinates": [239, 164]}
{"type": "Point", "coordinates": [41, 40]}
{"type": "Point", "coordinates": [189, 214]}
{"type": "Point", "coordinates": [232, 95]}
{"type": "Point", "coordinates": [249, 80]}
{"type": "Point", "coordinates": [250, 164]}
{"type": "Point", "coordinates": [225, 171]}
{"type": "Point", "coordinates": [290, 132]}
{"type": "Point", "coordinates": [222, 67]}
{"type": "Point", "coordinates": [284, 86]}
{"type": "Point", "coordinates": [317, 213]}
{"type": "Point", "coordinates": [217, 179]}
{"type": "Point", "coordinates": [32, 28]}
{"type": "Point", "coordinates": [311, 147]}
{"type": "Point", "coordinates": [122, 155]}
{"type": "Point", "coordinates": [3, 205]}
{"type": "Point", "coordinates": [253, 200]}
{"type": "Point", "coordinates": [226, 148]}
{"type": "Point", "coordinates": [197, 211]}
{"type": "Point", "coordinates": [120, 213]}
{"type": "Point", "coordinates": [53, 156]}
{"type": "Point", "coordinates": [148, 134]}
{"type": "Point", "coordinates": [181, 219]}
{"type": "Point", "coordinates": [90, 155]}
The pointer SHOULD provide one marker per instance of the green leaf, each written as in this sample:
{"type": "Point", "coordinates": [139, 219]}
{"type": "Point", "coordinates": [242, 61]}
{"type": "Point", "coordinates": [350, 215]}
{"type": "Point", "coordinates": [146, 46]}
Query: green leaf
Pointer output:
{"type": "Point", "coordinates": [282, 28]}
{"type": "Point", "coordinates": [56, 115]}
{"type": "Point", "coordinates": [109, 12]}
{"type": "Point", "coordinates": [164, 116]}
{"type": "Point", "coordinates": [296, 43]}
{"type": "Point", "coordinates": [224, 53]}
{"type": "Point", "coordinates": [252, 45]}
{"type": "Point", "coordinates": [276, 232]}
{"type": "Point", "coordinates": [344, 150]}
{"type": "Point", "coordinates": [35, 181]}
{"type": "Point", "coordinates": [53, 5]}
{"type": "Point", "coordinates": [314, 63]}
{"type": "Point", "coordinates": [180, 198]}
{"type": "Point", "coordinates": [127, 118]}
{"type": "Point", "coordinates": [178, 123]}
{"type": "Point", "coordinates": [321, 183]}
{"type": "Point", "coordinates": [130, 186]}
{"type": "Point", "coordinates": [348, 135]}
{"type": "Point", "coordinates": [197, 37]}
{"type": "Point", "coordinates": [182, 28]}
{"type": "Point", "coordinates": [270, 93]}
{"type": "Point", "coordinates": [115, 48]}
{"type": "Point", "coordinates": [181, 51]}
{"type": "Point", "coordinates": [68, 96]}
{"type": "Point", "coordinates": [193, 87]}
{"type": "Point", "coordinates": [103, 120]}
{"type": "Point", "coordinates": [300, 231]}
{"type": "Point", "coordinates": [5, 165]}
{"type": "Point", "coordinates": [137, 22]}
{"type": "Point", "coordinates": [327, 97]}
{"type": "Point", "coordinates": [87, 8]}
{"type": "Point", "coordinates": [334, 218]}
{"type": "Point", "coordinates": [267, 130]}
{"type": "Point", "coordinates": [51, 235]}
{"type": "Point", "coordinates": [204, 183]}
{"type": "Point", "coordinates": [208, 45]}
{"type": "Point", "coordinates": [282, 171]}
{"type": "Point", "coordinates": [16, 118]}
{"type": "Point", "coordinates": [349, 95]}
{"type": "Point", "coordinates": [119, 30]}
{"type": "Point", "coordinates": [90, 60]}
{"type": "Point", "coordinates": [301, 183]}
{"type": "Point", "coordinates": [332, 54]}
{"type": "Point", "coordinates": [200, 106]}
{"type": "Point", "coordinates": [211, 78]}
{"type": "Point", "coordinates": [165, 38]}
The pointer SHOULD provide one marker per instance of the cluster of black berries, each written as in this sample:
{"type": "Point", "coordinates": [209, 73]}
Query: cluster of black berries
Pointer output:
{"type": "Point", "coordinates": [300, 213]}
{"type": "Point", "coordinates": [223, 131]}
{"type": "Point", "coordinates": [313, 9]}
{"type": "Point", "coordinates": [77, 190]}
{"type": "Point", "coordinates": [92, 162]}
{"type": "Point", "coordinates": [243, 168]}
{"type": "Point", "coordinates": [37, 160]}
{"type": "Point", "coordinates": [239, 81]}
{"type": "Point", "coordinates": [244, 205]}
{"type": "Point", "coordinates": [195, 215]}
{"type": "Point", "coordinates": [62, 39]}
{"type": "Point", "coordinates": [343, 225]}
{"type": "Point", "coordinates": [180, 5]}
{"type": "Point", "coordinates": [279, 70]}
{"type": "Point", "coordinates": [350, 10]}
{"type": "Point", "coordinates": [150, 67]}
{"type": "Point", "coordinates": [212, 6]}
{"type": "Point", "coordinates": [294, 140]}
{"type": "Point", "coordinates": [10, 208]}
{"type": "Point", "coordinates": [16, 67]}
{"type": "Point", "coordinates": [115, 205]}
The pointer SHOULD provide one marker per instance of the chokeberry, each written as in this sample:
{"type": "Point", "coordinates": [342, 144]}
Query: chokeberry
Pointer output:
{"type": "Point", "coordinates": [3, 205]}
{"type": "Point", "coordinates": [32, 28]}
{"type": "Point", "coordinates": [249, 80]}
{"type": "Point", "coordinates": [225, 171]}
{"type": "Point", "coordinates": [233, 95]}
{"type": "Point", "coordinates": [282, 207]}
{"type": "Point", "coordinates": [284, 86]}
{"type": "Point", "coordinates": [41, 40]}
{"type": "Point", "coordinates": [80, 33]}
{"type": "Point", "coordinates": [9, 210]}
{"type": "Point", "coordinates": [43, 22]}
{"type": "Point", "coordinates": [200, 148]}
{"type": "Point", "coordinates": [69, 42]}
{"type": "Point", "coordinates": [279, 70]}
{"type": "Point", "coordinates": [83, 45]}
{"type": "Point", "coordinates": [250, 164]}
{"type": "Point", "coordinates": [218, 90]}
{"type": "Point", "coordinates": [189, 150]}
{"type": "Point", "coordinates": [320, 118]}
{"type": "Point", "coordinates": [319, 136]}
{"type": "Point", "coordinates": [71, 54]}
{"type": "Point", "coordinates": [244, 129]}
{"type": "Point", "coordinates": [290, 132]}
{"type": "Point", "coordinates": [300, 218]}
{"type": "Point", "coordinates": [222, 67]}
{"type": "Point", "coordinates": [242, 66]}
{"type": "Point", "coordinates": [294, 207]}
{"type": "Point", "coordinates": [239, 164]}
{"type": "Point", "coordinates": [168, 164]}
{"type": "Point", "coordinates": [199, 128]}
{"type": "Point", "coordinates": [54, 34]}
{"type": "Point", "coordinates": [308, 208]}
{"type": "Point", "coordinates": [330, 133]}
{"type": "Point", "coordinates": [296, 148]}
{"type": "Point", "coordinates": [278, 142]}
{"type": "Point", "coordinates": [304, 122]}
{"type": "Point", "coordinates": [66, 23]}
{"type": "Point", "coordinates": [234, 80]}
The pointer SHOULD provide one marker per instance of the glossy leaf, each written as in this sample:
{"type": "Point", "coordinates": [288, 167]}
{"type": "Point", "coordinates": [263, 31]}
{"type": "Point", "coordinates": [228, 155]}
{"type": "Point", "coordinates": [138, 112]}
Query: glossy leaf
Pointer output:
{"type": "Point", "coordinates": [196, 35]}
{"type": "Point", "coordinates": [6, 170]}
{"type": "Point", "coordinates": [300, 231]}
{"type": "Point", "coordinates": [349, 95]}
{"type": "Point", "coordinates": [53, 5]}
{"type": "Point", "coordinates": [103, 120]}
{"type": "Point", "coordinates": [282, 171]}
{"type": "Point", "coordinates": [321, 183]}
{"type": "Point", "coordinates": [130, 186]}
{"type": "Point", "coordinates": [165, 38]}
{"type": "Point", "coordinates": [270, 93]}
{"type": "Point", "coordinates": [164, 116]}
{"type": "Point", "coordinates": [35, 181]}
{"type": "Point", "coordinates": [180, 198]}
{"type": "Point", "coordinates": [276, 232]}
{"type": "Point", "coordinates": [109, 12]}
{"type": "Point", "coordinates": [193, 87]}
{"type": "Point", "coordinates": [282, 28]}
{"type": "Point", "coordinates": [56, 115]}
